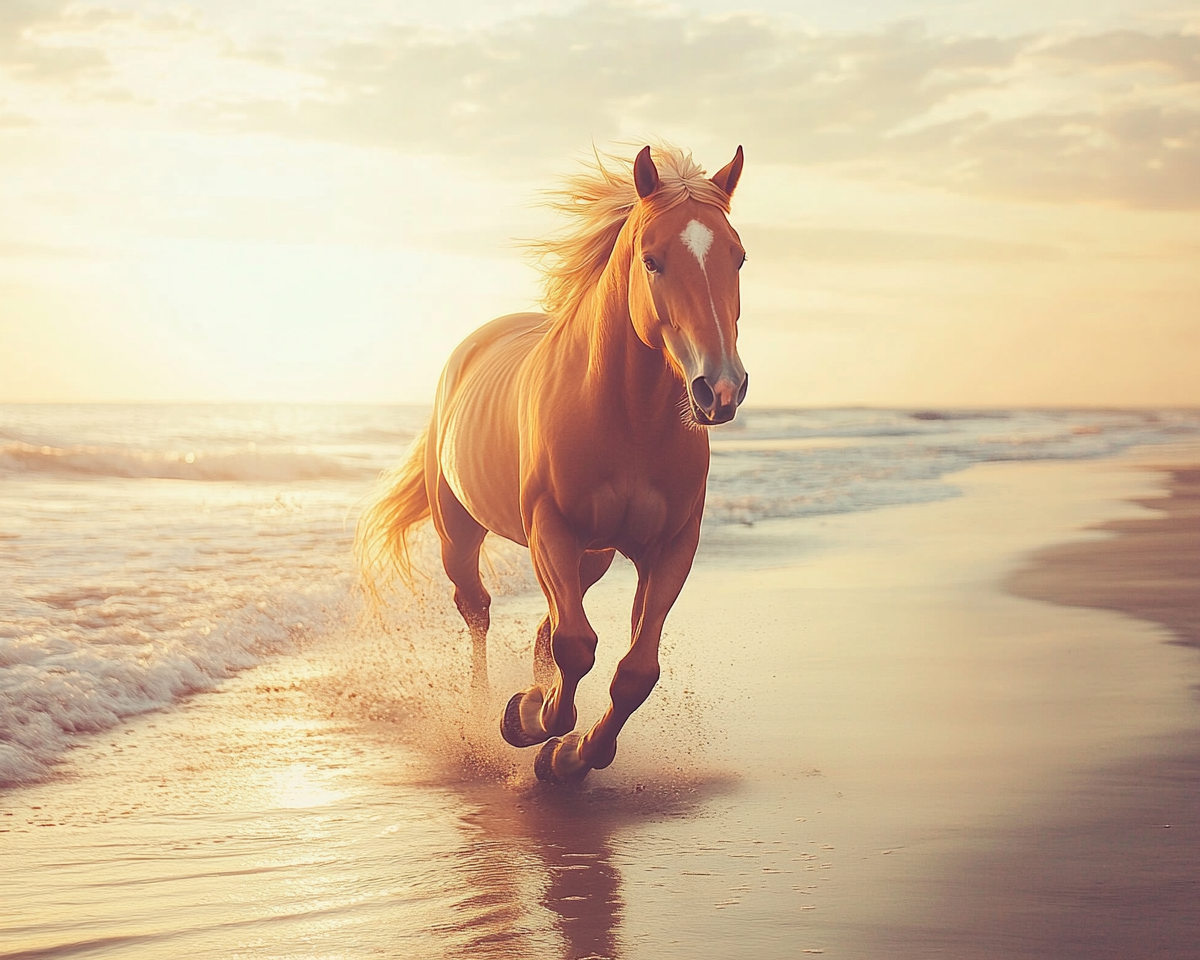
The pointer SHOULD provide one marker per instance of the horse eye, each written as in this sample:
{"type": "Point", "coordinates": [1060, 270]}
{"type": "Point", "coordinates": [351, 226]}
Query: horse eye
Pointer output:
{"type": "Point", "coordinates": [743, 263]}
{"type": "Point", "coordinates": [651, 264]}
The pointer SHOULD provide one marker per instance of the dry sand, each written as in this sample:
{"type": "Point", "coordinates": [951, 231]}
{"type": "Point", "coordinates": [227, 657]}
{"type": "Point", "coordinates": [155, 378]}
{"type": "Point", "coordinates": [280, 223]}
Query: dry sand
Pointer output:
{"type": "Point", "coordinates": [862, 746]}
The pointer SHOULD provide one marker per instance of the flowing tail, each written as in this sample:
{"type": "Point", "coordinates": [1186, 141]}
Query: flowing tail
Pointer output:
{"type": "Point", "coordinates": [381, 537]}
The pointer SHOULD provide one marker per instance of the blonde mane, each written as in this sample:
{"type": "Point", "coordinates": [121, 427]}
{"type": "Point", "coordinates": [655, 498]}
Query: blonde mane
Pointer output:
{"type": "Point", "coordinates": [596, 203]}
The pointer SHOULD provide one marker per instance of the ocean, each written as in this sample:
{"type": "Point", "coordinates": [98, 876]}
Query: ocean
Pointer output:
{"type": "Point", "coordinates": [149, 552]}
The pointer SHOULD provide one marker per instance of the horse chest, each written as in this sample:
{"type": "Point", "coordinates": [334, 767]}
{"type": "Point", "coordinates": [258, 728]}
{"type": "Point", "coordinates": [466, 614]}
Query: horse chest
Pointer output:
{"type": "Point", "coordinates": [629, 497]}
{"type": "Point", "coordinates": [624, 515]}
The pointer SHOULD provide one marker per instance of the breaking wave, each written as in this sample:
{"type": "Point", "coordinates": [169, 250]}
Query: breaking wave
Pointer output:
{"type": "Point", "coordinates": [248, 464]}
{"type": "Point", "coordinates": [107, 666]}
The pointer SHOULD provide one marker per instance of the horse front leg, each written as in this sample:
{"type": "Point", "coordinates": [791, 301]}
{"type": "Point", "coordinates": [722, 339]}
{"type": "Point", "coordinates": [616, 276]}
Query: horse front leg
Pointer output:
{"type": "Point", "coordinates": [547, 708]}
{"type": "Point", "coordinates": [659, 582]}
{"type": "Point", "coordinates": [592, 567]}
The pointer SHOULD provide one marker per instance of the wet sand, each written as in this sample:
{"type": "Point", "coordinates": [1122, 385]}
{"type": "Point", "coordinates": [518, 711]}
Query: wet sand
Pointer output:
{"type": "Point", "coordinates": [862, 746]}
{"type": "Point", "coordinates": [1150, 569]}
{"type": "Point", "coordinates": [1118, 864]}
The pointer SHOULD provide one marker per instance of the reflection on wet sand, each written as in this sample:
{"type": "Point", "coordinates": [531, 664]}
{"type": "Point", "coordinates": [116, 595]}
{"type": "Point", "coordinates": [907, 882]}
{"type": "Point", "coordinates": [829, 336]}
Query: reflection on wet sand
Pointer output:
{"type": "Point", "coordinates": [254, 821]}
{"type": "Point", "coordinates": [541, 862]}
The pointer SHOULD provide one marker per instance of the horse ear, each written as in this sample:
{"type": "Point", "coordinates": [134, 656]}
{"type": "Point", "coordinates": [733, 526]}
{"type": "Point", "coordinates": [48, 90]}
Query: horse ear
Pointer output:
{"type": "Point", "coordinates": [645, 174]}
{"type": "Point", "coordinates": [728, 176]}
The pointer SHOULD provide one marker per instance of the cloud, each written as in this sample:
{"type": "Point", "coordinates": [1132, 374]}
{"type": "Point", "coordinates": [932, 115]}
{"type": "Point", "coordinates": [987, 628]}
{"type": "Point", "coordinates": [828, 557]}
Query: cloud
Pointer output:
{"type": "Point", "coordinates": [552, 79]}
{"type": "Point", "coordinates": [14, 121]}
{"type": "Point", "coordinates": [33, 49]}
{"type": "Point", "coordinates": [816, 245]}
{"type": "Point", "coordinates": [30, 251]}
{"type": "Point", "coordinates": [893, 103]}
{"type": "Point", "coordinates": [1178, 53]}
{"type": "Point", "coordinates": [1110, 117]}
{"type": "Point", "coordinates": [1147, 156]}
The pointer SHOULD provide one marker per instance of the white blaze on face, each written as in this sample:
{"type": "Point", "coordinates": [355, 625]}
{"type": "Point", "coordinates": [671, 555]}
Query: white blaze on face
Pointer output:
{"type": "Point", "coordinates": [698, 239]}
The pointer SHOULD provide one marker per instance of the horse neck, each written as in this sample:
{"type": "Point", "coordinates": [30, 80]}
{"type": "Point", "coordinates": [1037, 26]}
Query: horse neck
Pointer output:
{"type": "Point", "coordinates": [619, 363]}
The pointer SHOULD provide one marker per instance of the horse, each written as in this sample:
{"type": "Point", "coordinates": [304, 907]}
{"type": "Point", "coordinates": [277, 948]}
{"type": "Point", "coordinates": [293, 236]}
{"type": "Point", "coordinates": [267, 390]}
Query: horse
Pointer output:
{"type": "Point", "coordinates": [582, 432]}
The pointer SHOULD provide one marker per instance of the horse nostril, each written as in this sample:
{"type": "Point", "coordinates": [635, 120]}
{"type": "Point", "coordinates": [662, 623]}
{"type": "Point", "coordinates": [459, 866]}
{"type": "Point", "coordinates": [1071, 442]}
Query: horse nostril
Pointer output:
{"type": "Point", "coordinates": [742, 392]}
{"type": "Point", "coordinates": [702, 393]}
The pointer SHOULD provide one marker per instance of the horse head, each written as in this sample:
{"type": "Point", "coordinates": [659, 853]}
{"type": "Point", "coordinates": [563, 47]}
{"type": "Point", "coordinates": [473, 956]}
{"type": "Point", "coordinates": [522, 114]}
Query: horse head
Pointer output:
{"type": "Point", "coordinates": [684, 297]}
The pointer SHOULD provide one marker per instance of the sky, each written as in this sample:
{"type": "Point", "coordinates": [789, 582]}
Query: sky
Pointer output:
{"type": "Point", "coordinates": [978, 203]}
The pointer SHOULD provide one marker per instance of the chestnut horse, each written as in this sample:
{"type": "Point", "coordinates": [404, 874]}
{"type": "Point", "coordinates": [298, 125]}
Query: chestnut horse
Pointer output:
{"type": "Point", "coordinates": [580, 432]}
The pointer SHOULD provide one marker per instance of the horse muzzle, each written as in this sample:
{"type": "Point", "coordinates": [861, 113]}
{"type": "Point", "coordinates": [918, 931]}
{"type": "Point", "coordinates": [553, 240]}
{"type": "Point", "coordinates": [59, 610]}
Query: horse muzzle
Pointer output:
{"type": "Point", "coordinates": [714, 403]}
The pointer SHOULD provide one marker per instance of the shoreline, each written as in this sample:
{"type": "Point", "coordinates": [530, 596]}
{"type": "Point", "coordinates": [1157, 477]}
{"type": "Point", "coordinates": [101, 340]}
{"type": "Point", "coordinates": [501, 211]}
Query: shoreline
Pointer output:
{"type": "Point", "coordinates": [1148, 569]}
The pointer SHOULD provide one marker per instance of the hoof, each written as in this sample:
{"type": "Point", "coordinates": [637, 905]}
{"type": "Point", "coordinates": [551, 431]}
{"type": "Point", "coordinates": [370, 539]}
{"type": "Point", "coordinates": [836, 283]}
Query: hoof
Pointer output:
{"type": "Point", "coordinates": [520, 724]}
{"type": "Point", "coordinates": [559, 762]}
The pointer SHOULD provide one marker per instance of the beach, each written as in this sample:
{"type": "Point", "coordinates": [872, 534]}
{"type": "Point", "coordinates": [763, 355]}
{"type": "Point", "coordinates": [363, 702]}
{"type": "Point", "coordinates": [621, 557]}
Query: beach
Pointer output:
{"type": "Point", "coordinates": [913, 731]}
{"type": "Point", "coordinates": [890, 309]}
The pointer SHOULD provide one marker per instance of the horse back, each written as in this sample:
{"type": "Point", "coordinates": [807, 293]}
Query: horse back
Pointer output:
{"type": "Point", "coordinates": [476, 420]}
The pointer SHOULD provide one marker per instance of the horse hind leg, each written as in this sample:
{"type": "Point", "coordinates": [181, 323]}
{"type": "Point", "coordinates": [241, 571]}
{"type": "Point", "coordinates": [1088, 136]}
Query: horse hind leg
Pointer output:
{"type": "Point", "coordinates": [462, 537]}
